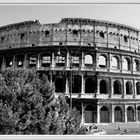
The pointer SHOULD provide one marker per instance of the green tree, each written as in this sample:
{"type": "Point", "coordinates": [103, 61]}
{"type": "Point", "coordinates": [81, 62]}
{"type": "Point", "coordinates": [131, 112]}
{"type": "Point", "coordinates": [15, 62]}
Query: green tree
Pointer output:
{"type": "Point", "coordinates": [28, 105]}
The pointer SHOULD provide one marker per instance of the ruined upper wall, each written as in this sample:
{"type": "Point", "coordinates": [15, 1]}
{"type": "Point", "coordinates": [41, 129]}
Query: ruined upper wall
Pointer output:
{"type": "Point", "coordinates": [70, 31]}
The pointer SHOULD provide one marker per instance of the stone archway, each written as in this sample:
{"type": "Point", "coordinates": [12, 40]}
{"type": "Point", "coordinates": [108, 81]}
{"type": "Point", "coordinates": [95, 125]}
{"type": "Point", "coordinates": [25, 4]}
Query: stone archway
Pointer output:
{"type": "Point", "coordinates": [130, 114]}
{"type": "Point", "coordinates": [104, 115]}
{"type": "Point", "coordinates": [91, 114]}
{"type": "Point", "coordinates": [118, 114]}
{"type": "Point", "coordinates": [90, 85]}
{"type": "Point", "coordinates": [60, 85]}
{"type": "Point", "coordinates": [138, 113]}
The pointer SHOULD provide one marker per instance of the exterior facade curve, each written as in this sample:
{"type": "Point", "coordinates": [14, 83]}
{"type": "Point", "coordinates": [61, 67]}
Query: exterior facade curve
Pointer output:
{"type": "Point", "coordinates": [95, 64]}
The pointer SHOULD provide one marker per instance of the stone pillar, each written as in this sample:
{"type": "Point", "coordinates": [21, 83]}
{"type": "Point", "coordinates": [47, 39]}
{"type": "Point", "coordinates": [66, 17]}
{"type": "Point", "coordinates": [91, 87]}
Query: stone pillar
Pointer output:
{"type": "Point", "coordinates": [3, 63]}
{"type": "Point", "coordinates": [98, 114]}
{"type": "Point", "coordinates": [121, 65]}
{"type": "Point", "coordinates": [38, 61]}
{"type": "Point", "coordinates": [134, 89]}
{"type": "Point", "coordinates": [108, 62]}
{"type": "Point", "coordinates": [51, 77]}
{"type": "Point", "coordinates": [112, 113]}
{"type": "Point", "coordinates": [111, 88]}
{"type": "Point", "coordinates": [131, 65]}
{"type": "Point", "coordinates": [82, 65]}
{"type": "Point", "coordinates": [68, 59]}
{"type": "Point", "coordinates": [136, 113]}
{"type": "Point", "coordinates": [125, 114]}
{"type": "Point", "coordinates": [25, 65]}
{"type": "Point", "coordinates": [67, 86]}
{"type": "Point", "coordinates": [52, 59]}
{"type": "Point", "coordinates": [14, 62]}
{"type": "Point", "coordinates": [98, 86]}
{"type": "Point", "coordinates": [83, 85]}
{"type": "Point", "coordinates": [82, 117]}
{"type": "Point", "coordinates": [124, 87]}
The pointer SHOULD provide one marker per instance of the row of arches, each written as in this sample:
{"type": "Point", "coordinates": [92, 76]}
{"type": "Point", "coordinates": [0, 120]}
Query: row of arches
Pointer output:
{"type": "Point", "coordinates": [105, 114]}
{"type": "Point", "coordinates": [60, 59]}
{"type": "Point", "coordinates": [118, 87]}
{"type": "Point", "coordinates": [115, 63]}
{"type": "Point", "coordinates": [91, 86]}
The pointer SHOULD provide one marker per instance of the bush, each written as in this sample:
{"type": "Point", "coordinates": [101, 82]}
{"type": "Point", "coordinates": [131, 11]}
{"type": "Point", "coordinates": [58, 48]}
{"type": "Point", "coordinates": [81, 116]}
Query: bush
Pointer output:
{"type": "Point", "coordinates": [28, 106]}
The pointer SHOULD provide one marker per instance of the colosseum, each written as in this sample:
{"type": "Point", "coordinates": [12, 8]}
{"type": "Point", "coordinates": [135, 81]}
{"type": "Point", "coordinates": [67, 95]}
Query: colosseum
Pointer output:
{"type": "Point", "coordinates": [94, 63]}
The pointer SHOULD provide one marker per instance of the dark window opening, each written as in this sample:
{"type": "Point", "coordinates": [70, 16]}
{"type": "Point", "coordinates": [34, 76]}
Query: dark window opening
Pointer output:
{"type": "Point", "coordinates": [102, 35]}
{"type": "Point", "coordinates": [129, 90]}
{"type": "Point", "coordinates": [20, 60]}
{"type": "Point", "coordinates": [90, 86]}
{"type": "Point", "coordinates": [1, 60]}
{"type": "Point", "coordinates": [104, 115]}
{"type": "Point", "coordinates": [130, 114]}
{"type": "Point", "coordinates": [2, 39]}
{"type": "Point", "coordinates": [47, 33]}
{"type": "Point", "coordinates": [46, 60]}
{"type": "Point", "coordinates": [33, 44]}
{"type": "Point", "coordinates": [60, 85]}
{"type": "Point", "coordinates": [60, 43]}
{"type": "Point", "coordinates": [91, 114]}
{"type": "Point", "coordinates": [75, 32]}
{"type": "Point", "coordinates": [138, 112]}
{"type": "Point", "coordinates": [117, 87]}
{"type": "Point", "coordinates": [22, 35]}
{"type": "Point", "coordinates": [103, 87]}
{"type": "Point", "coordinates": [9, 61]}
{"type": "Point", "coordinates": [138, 88]}
{"type": "Point", "coordinates": [125, 38]}
{"type": "Point", "coordinates": [76, 84]}
{"type": "Point", "coordinates": [117, 114]}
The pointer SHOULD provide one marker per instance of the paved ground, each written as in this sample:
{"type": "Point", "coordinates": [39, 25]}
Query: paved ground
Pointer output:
{"type": "Point", "coordinates": [121, 128]}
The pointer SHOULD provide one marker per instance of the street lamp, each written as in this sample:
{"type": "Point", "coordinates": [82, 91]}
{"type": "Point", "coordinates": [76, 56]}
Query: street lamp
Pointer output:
{"type": "Point", "coordinates": [71, 72]}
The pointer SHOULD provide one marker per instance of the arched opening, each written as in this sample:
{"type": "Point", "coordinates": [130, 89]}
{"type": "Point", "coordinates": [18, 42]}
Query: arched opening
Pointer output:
{"type": "Point", "coordinates": [104, 115]}
{"type": "Point", "coordinates": [90, 86]}
{"type": "Point", "coordinates": [60, 60]}
{"type": "Point", "coordinates": [9, 61]}
{"type": "Point", "coordinates": [118, 114]}
{"type": "Point", "coordinates": [138, 112]}
{"type": "Point", "coordinates": [88, 60]}
{"type": "Point", "coordinates": [114, 63]}
{"type": "Point", "coordinates": [75, 61]}
{"type": "Point", "coordinates": [91, 114]}
{"type": "Point", "coordinates": [60, 85]}
{"type": "Point", "coordinates": [103, 87]}
{"type": "Point", "coordinates": [45, 60]}
{"type": "Point", "coordinates": [129, 90]}
{"type": "Point", "coordinates": [136, 65]}
{"type": "Point", "coordinates": [102, 61]}
{"type": "Point", "coordinates": [20, 60]}
{"type": "Point", "coordinates": [126, 64]}
{"type": "Point", "coordinates": [138, 88]}
{"type": "Point", "coordinates": [76, 84]}
{"type": "Point", "coordinates": [32, 60]}
{"type": "Point", "coordinates": [1, 61]}
{"type": "Point", "coordinates": [130, 114]}
{"type": "Point", "coordinates": [117, 87]}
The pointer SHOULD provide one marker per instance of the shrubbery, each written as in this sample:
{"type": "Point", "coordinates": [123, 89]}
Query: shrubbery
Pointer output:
{"type": "Point", "coordinates": [28, 106]}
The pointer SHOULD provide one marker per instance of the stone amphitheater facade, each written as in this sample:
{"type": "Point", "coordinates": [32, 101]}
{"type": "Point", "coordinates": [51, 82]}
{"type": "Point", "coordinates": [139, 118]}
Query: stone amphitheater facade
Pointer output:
{"type": "Point", "coordinates": [94, 63]}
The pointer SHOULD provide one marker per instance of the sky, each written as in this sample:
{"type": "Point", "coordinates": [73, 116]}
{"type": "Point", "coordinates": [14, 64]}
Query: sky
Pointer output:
{"type": "Point", "coordinates": [128, 14]}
